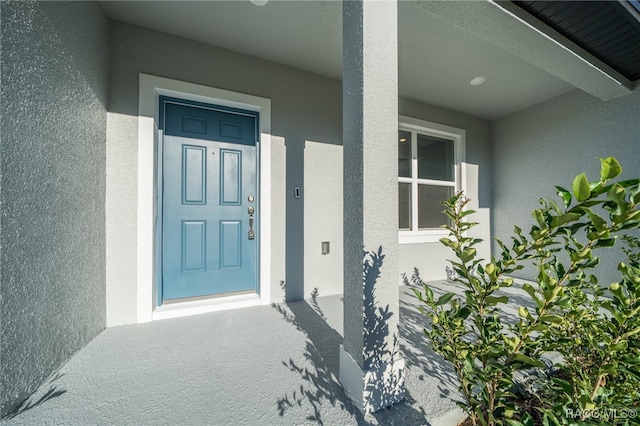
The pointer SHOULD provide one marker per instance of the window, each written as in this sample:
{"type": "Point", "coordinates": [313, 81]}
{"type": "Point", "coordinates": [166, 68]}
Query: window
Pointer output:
{"type": "Point", "coordinates": [429, 171]}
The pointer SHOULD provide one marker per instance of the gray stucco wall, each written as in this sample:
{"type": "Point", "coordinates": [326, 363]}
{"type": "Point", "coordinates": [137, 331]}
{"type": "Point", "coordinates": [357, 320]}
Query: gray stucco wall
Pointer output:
{"type": "Point", "coordinates": [323, 178]}
{"type": "Point", "coordinates": [306, 152]}
{"type": "Point", "coordinates": [54, 94]}
{"type": "Point", "coordinates": [305, 107]}
{"type": "Point", "coordinates": [549, 144]}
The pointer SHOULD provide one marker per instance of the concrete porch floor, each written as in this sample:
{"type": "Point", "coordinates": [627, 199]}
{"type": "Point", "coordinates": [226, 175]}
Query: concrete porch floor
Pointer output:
{"type": "Point", "coordinates": [266, 365]}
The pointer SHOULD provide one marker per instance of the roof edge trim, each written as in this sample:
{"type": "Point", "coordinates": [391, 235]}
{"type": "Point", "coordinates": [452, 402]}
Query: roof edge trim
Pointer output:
{"type": "Point", "coordinates": [511, 29]}
{"type": "Point", "coordinates": [562, 42]}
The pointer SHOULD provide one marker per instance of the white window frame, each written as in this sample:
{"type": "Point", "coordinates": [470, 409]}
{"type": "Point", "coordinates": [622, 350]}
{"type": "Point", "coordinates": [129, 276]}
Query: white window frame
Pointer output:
{"type": "Point", "coordinates": [414, 125]}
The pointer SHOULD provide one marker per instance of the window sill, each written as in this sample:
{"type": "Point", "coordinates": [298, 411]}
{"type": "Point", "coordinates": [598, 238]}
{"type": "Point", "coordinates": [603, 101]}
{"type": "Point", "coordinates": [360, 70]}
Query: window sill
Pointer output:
{"type": "Point", "coordinates": [420, 237]}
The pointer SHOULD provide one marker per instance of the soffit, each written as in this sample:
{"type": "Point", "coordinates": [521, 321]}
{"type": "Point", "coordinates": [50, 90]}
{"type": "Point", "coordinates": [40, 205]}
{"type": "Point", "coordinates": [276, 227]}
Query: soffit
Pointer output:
{"type": "Point", "coordinates": [437, 58]}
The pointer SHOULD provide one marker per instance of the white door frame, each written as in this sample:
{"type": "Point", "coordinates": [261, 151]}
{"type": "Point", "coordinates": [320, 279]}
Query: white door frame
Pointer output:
{"type": "Point", "coordinates": [151, 87]}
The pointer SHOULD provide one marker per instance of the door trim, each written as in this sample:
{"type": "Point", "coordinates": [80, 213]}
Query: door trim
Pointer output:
{"type": "Point", "coordinates": [149, 209]}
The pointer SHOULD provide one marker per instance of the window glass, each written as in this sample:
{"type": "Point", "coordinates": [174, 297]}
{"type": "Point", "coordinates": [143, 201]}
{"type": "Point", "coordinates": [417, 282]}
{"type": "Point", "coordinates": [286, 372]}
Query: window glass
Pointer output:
{"type": "Point", "coordinates": [404, 154]}
{"type": "Point", "coordinates": [404, 205]}
{"type": "Point", "coordinates": [435, 158]}
{"type": "Point", "coordinates": [430, 206]}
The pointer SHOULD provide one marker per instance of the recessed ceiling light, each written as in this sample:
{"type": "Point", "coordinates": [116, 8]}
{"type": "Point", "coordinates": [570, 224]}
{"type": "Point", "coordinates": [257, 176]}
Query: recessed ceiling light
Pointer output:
{"type": "Point", "coordinates": [259, 2]}
{"type": "Point", "coordinates": [478, 80]}
{"type": "Point", "coordinates": [403, 139]}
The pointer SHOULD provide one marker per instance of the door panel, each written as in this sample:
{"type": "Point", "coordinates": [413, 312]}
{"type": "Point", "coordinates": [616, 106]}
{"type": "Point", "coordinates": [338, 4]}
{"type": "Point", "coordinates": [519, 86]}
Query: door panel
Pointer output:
{"type": "Point", "coordinates": [209, 171]}
{"type": "Point", "coordinates": [230, 244]}
{"type": "Point", "coordinates": [194, 172]}
{"type": "Point", "coordinates": [230, 178]}
{"type": "Point", "coordinates": [193, 246]}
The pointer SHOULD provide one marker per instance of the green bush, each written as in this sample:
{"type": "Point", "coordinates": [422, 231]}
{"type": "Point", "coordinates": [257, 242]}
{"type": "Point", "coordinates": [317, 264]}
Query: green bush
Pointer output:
{"type": "Point", "coordinates": [595, 329]}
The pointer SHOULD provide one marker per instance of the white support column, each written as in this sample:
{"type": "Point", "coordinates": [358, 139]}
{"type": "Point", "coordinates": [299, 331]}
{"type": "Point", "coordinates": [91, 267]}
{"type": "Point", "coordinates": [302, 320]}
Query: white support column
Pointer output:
{"type": "Point", "coordinates": [371, 369]}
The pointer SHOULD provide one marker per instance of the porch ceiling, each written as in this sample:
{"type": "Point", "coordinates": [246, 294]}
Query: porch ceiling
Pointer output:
{"type": "Point", "coordinates": [437, 57]}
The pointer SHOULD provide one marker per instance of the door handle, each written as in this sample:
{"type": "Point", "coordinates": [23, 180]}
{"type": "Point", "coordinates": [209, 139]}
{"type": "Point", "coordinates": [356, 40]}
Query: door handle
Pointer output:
{"type": "Point", "coordinates": [252, 234]}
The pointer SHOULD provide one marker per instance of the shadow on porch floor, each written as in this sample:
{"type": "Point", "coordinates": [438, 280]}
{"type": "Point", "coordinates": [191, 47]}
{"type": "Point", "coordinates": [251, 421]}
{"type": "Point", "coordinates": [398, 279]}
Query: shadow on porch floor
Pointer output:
{"type": "Point", "coordinates": [266, 365]}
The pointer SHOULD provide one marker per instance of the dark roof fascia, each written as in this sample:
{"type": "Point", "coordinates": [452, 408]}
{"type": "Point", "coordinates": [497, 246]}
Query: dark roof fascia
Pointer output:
{"type": "Point", "coordinates": [566, 43]}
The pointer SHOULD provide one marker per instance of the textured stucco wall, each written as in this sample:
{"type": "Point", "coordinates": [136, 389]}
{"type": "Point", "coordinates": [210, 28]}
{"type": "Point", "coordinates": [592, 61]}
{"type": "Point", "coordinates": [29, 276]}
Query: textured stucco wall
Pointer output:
{"type": "Point", "coordinates": [549, 144]}
{"type": "Point", "coordinates": [323, 219]}
{"type": "Point", "coordinates": [306, 114]}
{"type": "Point", "coordinates": [323, 203]}
{"type": "Point", "coordinates": [305, 106]}
{"type": "Point", "coordinates": [54, 94]}
{"type": "Point", "coordinates": [370, 123]}
{"type": "Point", "coordinates": [323, 198]}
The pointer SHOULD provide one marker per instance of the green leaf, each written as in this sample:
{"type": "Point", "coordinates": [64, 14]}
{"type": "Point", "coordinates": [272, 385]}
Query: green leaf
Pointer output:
{"type": "Point", "coordinates": [629, 216]}
{"type": "Point", "coordinates": [591, 262]}
{"type": "Point", "coordinates": [523, 312]}
{"type": "Point", "coordinates": [595, 188]}
{"type": "Point", "coordinates": [609, 168]}
{"type": "Point", "coordinates": [631, 333]}
{"type": "Point", "coordinates": [444, 298]}
{"type": "Point", "coordinates": [630, 359]}
{"type": "Point", "coordinates": [449, 243]}
{"type": "Point", "coordinates": [418, 294]}
{"type": "Point", "coordinates": [507, 282]}
{"type": "Point", "coordinates": [466, 212]}
{"type": "Point", "coordinates": [539, 217]}
{"type": "Point", "coordinates": [565, 218]}
{"type": "Point", "coordinates": [555, 319]}
{"type": "Point", "coordinates": [581, 189]}
{"type": "Point", "coordinates": [564, 385]}
{"type": "Point", "coordinates": [565, 195]}
{"type": "Point", "coordinates": [585, 403]}
{"type": "Point", "coordinates": [620, 346]}
{"type": "Point", "coordinates": [467, 255]}
{"type": "Point", "coordinates": [599, 223]}
{"type": "Point", "coordinates": [554, 206]}
{"type": "Point", "coordinates": [464, 313]}
{"type": "Point", "coordinates": [491, 270]}
{"type": "Point", "coordinates": [549, 419]}
{"type": "Point", "coordinates": [528, 360]}
{"type": "Point", "coordinates": [630, 371]}
{"type": "Point", "coordinates": [614, 312]}
{"type": "Point", "coordinates": [517, 230]}
{"type": "Point", "coordinates": [530, 290]}
{"type": "Point", "coordinates": [609, 369]}
{"type": "Point", "coordinates": [574, 228]}
{"type": "Point", "coordinates": [606, 242]}
{"type": "Point", "coordinates": [428, 294]}
{"type": "Point", "coordinates": [582, 254]}
{"type": "Point", "coordinates": [598, 235]}
{"type": "Point", "coordinates": [616, 194]}
{"type": "Point", "coordinates": [527, 420]}
{"type": "Point", "coordinates": [493, 300]}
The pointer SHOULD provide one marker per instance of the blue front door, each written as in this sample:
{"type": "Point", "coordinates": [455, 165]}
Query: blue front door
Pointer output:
{"type": "Point", "coordinates": [209, 200]}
